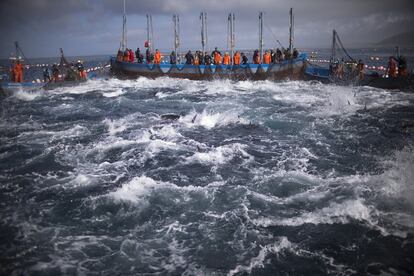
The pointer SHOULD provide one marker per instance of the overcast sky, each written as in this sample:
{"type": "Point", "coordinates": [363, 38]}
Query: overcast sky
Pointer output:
{"type": "Point", "coordinates": [86, 27]}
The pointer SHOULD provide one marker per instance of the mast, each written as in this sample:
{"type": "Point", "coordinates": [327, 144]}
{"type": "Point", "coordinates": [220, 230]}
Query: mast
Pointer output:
{"type": "Point", "coordinates": [333, 49]}
{"type": "Point", "coordinates": [150, 32]}
{"type": "Point", "coordinates": [176, 20]}
{"type": "Point", "coordinates": [230, 35]}
{"type": "Point", "coordinates": [291, 31]}
{"type": "Point", "coordinates": [123, 41]}
{"type": "Point", "coordinates": [204, 42]}
{"type": "Point", "coordinates": [261, 34]}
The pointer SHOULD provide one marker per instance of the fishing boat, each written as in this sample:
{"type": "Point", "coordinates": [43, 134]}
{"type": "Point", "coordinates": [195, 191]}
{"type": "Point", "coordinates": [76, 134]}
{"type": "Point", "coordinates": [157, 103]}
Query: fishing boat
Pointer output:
{"type": "Point", "coordinates": [373, 79]}
{"type": "Point", "coordinates": [289, 69]}
{"type": "Point", "coordinates": [67, 76]}
{"type": "Point", "coordinates": [8, 85]}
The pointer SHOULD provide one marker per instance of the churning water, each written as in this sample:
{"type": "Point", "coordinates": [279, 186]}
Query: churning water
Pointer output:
{"type": "Point", "coordinates": [258, 178]}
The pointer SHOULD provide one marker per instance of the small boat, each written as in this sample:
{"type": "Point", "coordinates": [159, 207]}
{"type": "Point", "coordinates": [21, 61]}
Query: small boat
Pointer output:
{"type": "Point", "coordinates": [326, 75]}
{"type": "Point", "coordinates": [65, 76]}
{"type": "Point", "coordinates": [9, 86]}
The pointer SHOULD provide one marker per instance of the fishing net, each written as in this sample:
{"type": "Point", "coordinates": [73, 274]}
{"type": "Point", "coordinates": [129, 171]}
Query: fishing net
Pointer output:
{"type": "Point", "coordinates": [68, 70]}
{"type": "Point", "coordinates": [343, 68]}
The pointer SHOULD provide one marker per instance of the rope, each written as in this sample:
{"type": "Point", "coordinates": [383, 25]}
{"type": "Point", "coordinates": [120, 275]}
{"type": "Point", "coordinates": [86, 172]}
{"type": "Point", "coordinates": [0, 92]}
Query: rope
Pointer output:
{"type": "Point", "coordinates": [274, 36]}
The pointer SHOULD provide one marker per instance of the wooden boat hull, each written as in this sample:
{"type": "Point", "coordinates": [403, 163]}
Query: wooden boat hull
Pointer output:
{"type": "Point", "coordinates": [293, 69]}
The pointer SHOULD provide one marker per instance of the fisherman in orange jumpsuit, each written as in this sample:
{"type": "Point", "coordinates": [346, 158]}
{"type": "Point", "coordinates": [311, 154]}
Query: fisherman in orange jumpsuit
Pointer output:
{"type": "Point", "coordinates": [236, 58]}
{"type": "Point", "coordinates": [392, 67]}
{"type": "Point", "coordinates": [226, 59]}
{"type": "Point", "coordinates": [217, 58]}
{"type": "Point", "coordinates": [18, 71]}
{"type": "Point", "coordinates": [157, 57]}
{"type": "Point", "coordinates": [267, 58]}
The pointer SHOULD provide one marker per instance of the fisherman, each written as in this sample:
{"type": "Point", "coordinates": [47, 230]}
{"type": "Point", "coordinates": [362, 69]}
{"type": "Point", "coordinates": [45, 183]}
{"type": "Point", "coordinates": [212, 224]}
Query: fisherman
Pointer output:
{"type": "Point", "coordinates": [361, 70]}
{"type": "Point", "coordinates": [267, 58]}
{"type": "Point", "coordinates": [340, 69]}
{"type": "Point", "coordinates": [148, 56]}
{"type": "Point", "coordinates": [272, 56]}
{"type": "Point", "coordinates": [201, 58]}
{"type": "Point", "coordinates": [402, 66]}
{"type": "Point", "coordinates": [119, 56]}
{"type": "Point", "coordinates": [216, 57]}
{"type": "Point", "coordinates": [55, 73]}
{"type": "Point", "coordinates": [226, 59]}
{"type": "Point", "coordinates": [126, 55]}
{"type": "Point", "coordinates": [256, 57]}
{"type": "Point", "coordinates": [279, 55]}
{"type": "Point", "coordinates": [18, 71]}
{"type": "Point", "coordinates": [189, 58]}
{"type": "Point", "coordinates": [157, 57]}
{"type": "Point", "coordinates": [46, 74]}
{"type": "Point", "coordinates": [81, 69]}
{"type": "Point", "coordinates": [215, 51]}
{"type": "Point", "coordinates": [236, 58]}
{"type": "Point", "coordinates": [196, 60]}
{"type": "Point", "coordinates": [138, 55]}
{"type": "Point", "coordinates": [286, 54]}
{"type": "Point", "coordinates": [244, 59]}
{"type": "Point", "coordinates": [173, 58]}
{"type": "Point", "coordinates": [392, 67]}
{"type": "Point", "coordinates": [207, 59]}
{"type": "Point", "coordinates": [131, 55]}
{"type": "Point", "coordinates": [295, 53]}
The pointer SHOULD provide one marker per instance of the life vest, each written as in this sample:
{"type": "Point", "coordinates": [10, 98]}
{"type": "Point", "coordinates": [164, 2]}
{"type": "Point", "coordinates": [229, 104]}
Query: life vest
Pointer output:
{"type": "Point", "coordinates": [226, 59]}
{"type": "Point", "coordinates": [157, 58]}
{"type": "Point", "coordinates": [196, 60]}
{"type": "Point", "coordinates": [217, 58]}
{"type": "Point", "coordinates": [266, 58]}
{"type": "Point", "coordinates": [236, 59]}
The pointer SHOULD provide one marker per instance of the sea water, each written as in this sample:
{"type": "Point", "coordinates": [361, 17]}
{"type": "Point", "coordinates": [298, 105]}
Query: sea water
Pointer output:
{"type": "Point", "coordinates": [263, 178]}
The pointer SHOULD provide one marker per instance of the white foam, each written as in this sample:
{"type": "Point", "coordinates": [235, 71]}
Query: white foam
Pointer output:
{"type": "Point", "coordinates": [220, 155]}
{"type": "Point", "coordinates": [112, 94]}
{"type": "Point", "coordinates": [334, 213]}
{"type": "Point", "coordinates": [26, 95]}
{"type": "Point", "coordinates": [210, 119]}
{"type": "Point", "coordinates": [133, 190]}
{"type": "Point", "coordinates": [114, 127]}
{"type": "Point", "coordinates": [259, 261]}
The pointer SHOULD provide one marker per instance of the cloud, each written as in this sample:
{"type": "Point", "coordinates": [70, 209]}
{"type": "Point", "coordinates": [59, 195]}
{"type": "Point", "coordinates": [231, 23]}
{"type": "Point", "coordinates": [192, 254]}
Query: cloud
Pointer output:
{"type": "Point", "coordinates": [82, 26]}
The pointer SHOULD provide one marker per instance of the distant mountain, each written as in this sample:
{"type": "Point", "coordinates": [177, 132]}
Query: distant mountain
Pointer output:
{"type": "Point", "coordinates": [402, 39]}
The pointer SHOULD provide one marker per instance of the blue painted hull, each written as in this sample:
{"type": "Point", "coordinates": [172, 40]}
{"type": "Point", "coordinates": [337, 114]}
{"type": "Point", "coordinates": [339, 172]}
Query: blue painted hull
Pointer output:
{"type": "Point", "coordinates": [293, 69]}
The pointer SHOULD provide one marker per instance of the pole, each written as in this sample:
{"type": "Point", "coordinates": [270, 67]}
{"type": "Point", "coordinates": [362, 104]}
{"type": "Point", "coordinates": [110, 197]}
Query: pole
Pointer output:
{"type": "Point", "coordinates": [261, 34]}
{"type": "Point", "coordinates": [203, 41]}
{"type": "Point", "coordinates": [206, 32]}
{"type": "Point", "coordinates": [148, 32]}
{"type": "Point", "coordinates": [176, 20]}
{"type": "Point", "coordinates": [333, 49]}
{"type": "Point", "coordinates": [123, 41]}
{"type": "Point", "coordinates": [228, 31]}
{"type": "Point", "coordinates": [291, 31]}
{"type": "Point", "coordinates": [152, 45]}
{"type": "Point", "coordinates": [233, 37]}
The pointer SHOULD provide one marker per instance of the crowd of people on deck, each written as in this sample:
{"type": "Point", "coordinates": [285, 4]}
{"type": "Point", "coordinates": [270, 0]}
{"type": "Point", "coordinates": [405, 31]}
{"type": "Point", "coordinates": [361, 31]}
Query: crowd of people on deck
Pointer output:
{"type": "Point", "coordinates": [200, 58]}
